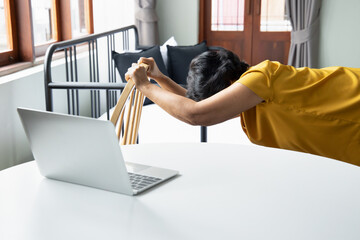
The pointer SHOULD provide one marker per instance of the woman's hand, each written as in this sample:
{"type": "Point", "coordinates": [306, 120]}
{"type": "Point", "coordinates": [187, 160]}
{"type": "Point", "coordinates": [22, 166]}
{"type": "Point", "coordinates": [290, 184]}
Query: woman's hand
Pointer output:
{"type": "Point", "coordinates": [138, 74]}
{"type": "Point", "coordinates": [164, 81]}
{"type": "Point", "coordinates": [153, 72]}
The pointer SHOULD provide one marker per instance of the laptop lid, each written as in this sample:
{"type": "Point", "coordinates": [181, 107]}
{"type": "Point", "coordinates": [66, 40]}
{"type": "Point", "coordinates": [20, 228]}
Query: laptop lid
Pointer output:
{"type": "Point", "coordinates": [76, 149]}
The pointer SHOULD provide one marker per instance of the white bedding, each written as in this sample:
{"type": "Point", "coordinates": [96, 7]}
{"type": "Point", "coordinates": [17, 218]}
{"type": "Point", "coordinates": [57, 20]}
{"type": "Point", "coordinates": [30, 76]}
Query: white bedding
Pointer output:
{"type": "Point", "coordinates": [156, 126]}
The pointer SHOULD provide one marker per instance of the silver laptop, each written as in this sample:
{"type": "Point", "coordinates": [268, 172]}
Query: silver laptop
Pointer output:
{"type": "Point", "coordinates": [85, 151]}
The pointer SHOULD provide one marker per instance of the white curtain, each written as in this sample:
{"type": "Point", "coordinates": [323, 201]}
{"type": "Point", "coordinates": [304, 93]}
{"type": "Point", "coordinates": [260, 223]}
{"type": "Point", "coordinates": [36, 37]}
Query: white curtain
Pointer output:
{"type": "Point", "coordinates": [146, 21]}
{"type": "Point", "coordinates": [305, 20]}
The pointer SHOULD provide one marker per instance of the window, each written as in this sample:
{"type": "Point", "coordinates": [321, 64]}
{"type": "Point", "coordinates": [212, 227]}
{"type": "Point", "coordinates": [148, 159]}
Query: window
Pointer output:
{"type": "Point", "coordinates": [4, 42]}
{"type": "Point", "coordinates": [40, 22]}
{"type": "Point", "coordinates": [255, 30]}
{"type": "Point", "coordinates": [274, 17]}
{"type": "Point", "coordinates": [78, 26]}
{"type": "Point", "coordinates": [227, 16]}
{"type": "Point", "coordinates": [7, 33]}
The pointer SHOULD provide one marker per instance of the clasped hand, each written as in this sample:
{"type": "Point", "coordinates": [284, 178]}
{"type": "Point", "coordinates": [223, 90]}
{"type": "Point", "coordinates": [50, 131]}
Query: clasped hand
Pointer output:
{"type": "Point", "coordinates": [142, 70]}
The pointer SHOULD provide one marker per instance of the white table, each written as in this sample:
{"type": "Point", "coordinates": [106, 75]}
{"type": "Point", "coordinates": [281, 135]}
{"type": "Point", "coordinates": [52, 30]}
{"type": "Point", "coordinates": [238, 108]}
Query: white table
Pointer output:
{"type": "Point", "coordinates": [224, 191]}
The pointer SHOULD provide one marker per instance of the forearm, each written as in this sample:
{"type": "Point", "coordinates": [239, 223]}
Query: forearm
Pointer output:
{"type": "Point", "coordinates": [168, 84]}
{"type": "Point", "coordinates": [204, 113]}
{"type": "Point", "coordinates": [175, 104]}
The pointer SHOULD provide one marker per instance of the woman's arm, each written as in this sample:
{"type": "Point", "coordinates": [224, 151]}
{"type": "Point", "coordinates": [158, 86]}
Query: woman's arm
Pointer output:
{"type": "Point", "coordinates": [220, 107]}
{"type": "Point", "coordinates": [164, 81]}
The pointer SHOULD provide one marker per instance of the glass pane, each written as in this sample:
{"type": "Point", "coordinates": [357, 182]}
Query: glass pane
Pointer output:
{"type": "Point", "coordinates": [227, 15]}
{"type": "Point", "coordinates": [274, 17]}
{"type": "Point", "coordinates": [78, 26]}
{"type": "Point", "coordinates": [4, 45]}
{"type": "Point", "coordinates": [42, 24]}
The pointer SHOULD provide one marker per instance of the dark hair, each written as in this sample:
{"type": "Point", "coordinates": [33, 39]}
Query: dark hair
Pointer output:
{"type": "Point", "coordinates": [213, 71]}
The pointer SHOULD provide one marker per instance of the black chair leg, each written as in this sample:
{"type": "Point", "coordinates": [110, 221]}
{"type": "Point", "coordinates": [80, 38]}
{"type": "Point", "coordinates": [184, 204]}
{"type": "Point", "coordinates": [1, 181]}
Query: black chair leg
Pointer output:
{"type": "Point", "coordinates": [203, 134]}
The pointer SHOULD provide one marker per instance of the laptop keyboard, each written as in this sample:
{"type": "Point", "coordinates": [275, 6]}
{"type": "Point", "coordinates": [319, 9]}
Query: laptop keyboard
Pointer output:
{"type": "Point", "coordinates": [139, 182]}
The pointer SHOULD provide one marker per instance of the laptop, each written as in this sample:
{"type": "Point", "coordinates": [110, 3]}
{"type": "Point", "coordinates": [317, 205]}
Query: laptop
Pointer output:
{"type": "Point", "coordinates": [85, 151]}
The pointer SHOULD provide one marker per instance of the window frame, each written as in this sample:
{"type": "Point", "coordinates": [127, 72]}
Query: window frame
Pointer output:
{"type": "Point", "coordinates": [19, 20]}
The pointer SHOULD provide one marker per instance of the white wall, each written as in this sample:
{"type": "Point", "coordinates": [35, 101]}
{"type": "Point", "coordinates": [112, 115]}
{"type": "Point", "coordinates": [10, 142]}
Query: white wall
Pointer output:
{"type": "Point", "coordinates": [340, 33]}
{"type": "Point", "coordinates": [179, 19]}
{"type": "Point", "coordinates": [176, 18]}
{"type": "Point", "coordinates": [24, 89]}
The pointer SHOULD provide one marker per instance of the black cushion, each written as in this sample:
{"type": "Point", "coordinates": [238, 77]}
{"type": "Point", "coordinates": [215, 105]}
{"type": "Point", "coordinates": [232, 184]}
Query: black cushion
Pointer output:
{"type": "Point", "coordinates": [180, 58]}
{"type": "Point", "coordinates": [124, 60]}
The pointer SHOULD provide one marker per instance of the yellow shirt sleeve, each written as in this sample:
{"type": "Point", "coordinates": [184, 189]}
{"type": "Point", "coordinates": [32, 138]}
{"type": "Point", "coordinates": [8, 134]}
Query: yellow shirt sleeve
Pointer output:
{"type": "Point", "coordinates": [258, 79]}
{"type": "Point", "coordinates": [258, 83]}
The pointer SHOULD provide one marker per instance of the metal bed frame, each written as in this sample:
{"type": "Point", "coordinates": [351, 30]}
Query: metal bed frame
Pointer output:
{"type": "Point", "coordinates": [112, 85]}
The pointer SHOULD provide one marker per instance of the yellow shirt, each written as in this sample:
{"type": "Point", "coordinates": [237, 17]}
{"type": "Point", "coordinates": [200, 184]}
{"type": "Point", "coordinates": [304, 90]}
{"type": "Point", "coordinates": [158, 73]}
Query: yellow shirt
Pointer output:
{"type": "Point", "coordinates": [309, 110]}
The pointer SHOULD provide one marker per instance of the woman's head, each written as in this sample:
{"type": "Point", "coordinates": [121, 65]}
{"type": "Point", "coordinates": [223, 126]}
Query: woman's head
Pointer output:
{"type": "Point", "coordinates": [213, 71]}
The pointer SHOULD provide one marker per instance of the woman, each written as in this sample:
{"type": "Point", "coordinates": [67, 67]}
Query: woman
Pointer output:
{"type": "Point", "coordinates": [309, 110]}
